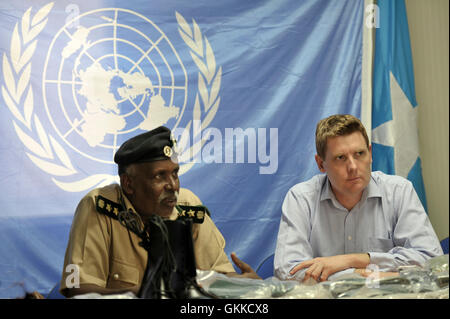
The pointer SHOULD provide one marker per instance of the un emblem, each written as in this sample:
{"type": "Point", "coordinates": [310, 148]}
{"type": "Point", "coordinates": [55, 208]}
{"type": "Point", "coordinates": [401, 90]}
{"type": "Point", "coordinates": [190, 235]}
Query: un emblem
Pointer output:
{"type": "Point", "coordinates": [115, 75]}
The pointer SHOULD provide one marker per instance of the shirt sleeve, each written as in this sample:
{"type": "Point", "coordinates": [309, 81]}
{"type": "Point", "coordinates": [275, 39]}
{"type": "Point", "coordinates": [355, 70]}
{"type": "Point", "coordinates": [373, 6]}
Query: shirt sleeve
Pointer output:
{"type": "Point", "coordinates": [414, 238]}
{"type": "Point", "coordinates": [209, 244]}
{"type": "Point", "coordinates": [210, 248]}
{"type": "Point", "coordinates": [293, 246]}
{"type": "Point", "coordinates": [88, 246]}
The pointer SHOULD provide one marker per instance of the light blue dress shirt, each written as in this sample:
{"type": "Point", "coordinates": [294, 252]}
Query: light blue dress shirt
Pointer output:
{"type": "Point", "coordinates": [389, 223]}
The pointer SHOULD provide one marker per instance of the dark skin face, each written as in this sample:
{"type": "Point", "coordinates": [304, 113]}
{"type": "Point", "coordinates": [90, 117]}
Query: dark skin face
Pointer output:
{"type": "Point", "coordinates": [153, 187]}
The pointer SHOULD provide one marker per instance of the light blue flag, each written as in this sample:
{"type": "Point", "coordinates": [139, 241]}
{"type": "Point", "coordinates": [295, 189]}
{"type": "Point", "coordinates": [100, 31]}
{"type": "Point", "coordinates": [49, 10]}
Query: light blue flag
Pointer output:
{"type": "Point", "coordinates": [395, 138]}
{"type": "Point", "coordinates": [241, 84]}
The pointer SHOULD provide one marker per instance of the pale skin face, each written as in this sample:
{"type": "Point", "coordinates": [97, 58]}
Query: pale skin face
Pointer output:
{"type": "Point", "coordinates": [347, 164]}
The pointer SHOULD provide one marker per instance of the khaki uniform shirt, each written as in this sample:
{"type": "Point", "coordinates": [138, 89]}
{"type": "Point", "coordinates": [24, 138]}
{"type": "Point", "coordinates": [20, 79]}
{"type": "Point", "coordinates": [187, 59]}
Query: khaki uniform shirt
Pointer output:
{"type": "Point", "coordinates": [107, 254]}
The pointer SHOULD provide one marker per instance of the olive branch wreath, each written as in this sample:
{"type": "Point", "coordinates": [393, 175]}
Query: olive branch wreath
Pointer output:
{"type": "Point", "coordinates": [42, 152]}
{"type": "Point", "coordinates": [209, 80]}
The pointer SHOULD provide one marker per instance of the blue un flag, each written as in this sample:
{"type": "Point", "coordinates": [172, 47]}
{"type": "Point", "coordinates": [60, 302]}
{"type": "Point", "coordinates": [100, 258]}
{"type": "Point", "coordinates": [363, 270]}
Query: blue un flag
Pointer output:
{"type": "Point", "coordinates": [241, 84]}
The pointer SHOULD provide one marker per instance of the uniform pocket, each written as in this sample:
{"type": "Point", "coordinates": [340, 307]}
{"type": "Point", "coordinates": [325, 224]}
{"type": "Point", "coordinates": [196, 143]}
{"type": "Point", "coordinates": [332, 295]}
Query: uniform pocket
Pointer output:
{"type": "Point", "coordinates": [122, 275]}
{"type": "Point", "coordinates": [380, 244]}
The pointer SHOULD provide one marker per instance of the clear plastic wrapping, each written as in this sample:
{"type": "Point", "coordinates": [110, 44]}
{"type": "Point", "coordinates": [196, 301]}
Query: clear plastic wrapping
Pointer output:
{"type": "Point", "coordinates": [429, 281]}
{"type": "Point", "coordinates": [412, 282]}
{"type": "Point", "coordinates": [230, 287]}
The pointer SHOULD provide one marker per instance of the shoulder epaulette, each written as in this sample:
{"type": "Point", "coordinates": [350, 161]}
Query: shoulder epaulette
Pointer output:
{"type": "Point", "coordinates": [196, 213]}
{"type": "Point", "coordinates": [107, 207]}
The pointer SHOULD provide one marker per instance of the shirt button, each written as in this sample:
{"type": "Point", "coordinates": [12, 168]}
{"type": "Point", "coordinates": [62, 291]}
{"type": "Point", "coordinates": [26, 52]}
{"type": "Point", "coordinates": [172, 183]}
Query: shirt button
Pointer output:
{"type": "Point", "coordinates": [349, 237]}
{"type": "Point", "coordinates": [116, 276]}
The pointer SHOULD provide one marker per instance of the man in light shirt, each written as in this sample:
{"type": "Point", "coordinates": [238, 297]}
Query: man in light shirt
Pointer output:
{"type": "Point", "coordinates": [343, 220]}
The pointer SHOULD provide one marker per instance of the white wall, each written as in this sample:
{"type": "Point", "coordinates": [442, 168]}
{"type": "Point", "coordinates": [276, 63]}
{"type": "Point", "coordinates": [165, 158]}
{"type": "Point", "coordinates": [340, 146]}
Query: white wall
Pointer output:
{"type": "Point", "coordinates": [428, 27]}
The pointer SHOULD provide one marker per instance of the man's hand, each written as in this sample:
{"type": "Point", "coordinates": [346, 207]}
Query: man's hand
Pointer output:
{"type": "Point", "coordinates": [247, 271]}
{"type": "Point", "coordinates": [321, 268]}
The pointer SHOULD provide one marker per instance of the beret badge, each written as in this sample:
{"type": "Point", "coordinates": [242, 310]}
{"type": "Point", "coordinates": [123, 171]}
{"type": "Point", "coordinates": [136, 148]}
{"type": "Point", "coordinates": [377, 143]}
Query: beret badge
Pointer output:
{"type": "Point", "coordinates": [168, 151]}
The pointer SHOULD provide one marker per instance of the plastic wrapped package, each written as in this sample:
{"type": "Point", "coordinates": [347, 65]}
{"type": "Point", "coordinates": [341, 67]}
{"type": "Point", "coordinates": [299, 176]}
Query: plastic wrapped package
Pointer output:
{"type": "Point", "coordinates": [344, 286]}
{"type": "Point", "coordinates": [438, 267]}
{"type": "Point", "coordinates": [438, 264]}
{"type": "Point", "coordinates": [368, 293]}
{"type": "Point", "coordinates": [277, 289]}
{"type": "Point", "coordinates": [270, 288]}
{"type": "Point", "coordinates": [356, 286]}
{"type": "Point", "coordinates": [302, 291]}
{"type": "Point", "coordinates": [226, 287]}
{"type": "Point", "coordinates": [93, 295]}
{"type": "Point", "coordinates": [412, 282]}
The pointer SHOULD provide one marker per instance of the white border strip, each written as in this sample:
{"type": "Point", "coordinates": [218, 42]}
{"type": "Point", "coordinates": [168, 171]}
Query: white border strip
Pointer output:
{"type": "Point", "coordinates": [367, 71]}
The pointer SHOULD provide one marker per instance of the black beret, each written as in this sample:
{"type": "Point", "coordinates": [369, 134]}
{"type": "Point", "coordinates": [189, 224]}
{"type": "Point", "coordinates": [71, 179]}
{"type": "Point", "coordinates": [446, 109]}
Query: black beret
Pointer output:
{"type": "Point", "coordinates": [154, 145]}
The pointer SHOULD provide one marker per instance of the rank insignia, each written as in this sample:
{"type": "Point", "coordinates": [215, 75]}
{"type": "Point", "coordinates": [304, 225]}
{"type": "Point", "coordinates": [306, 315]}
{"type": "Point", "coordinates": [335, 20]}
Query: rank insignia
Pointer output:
{"type": "Point", "coordinates": [107, 207]}
{"type": "Point", "coordinates": [195, 213]}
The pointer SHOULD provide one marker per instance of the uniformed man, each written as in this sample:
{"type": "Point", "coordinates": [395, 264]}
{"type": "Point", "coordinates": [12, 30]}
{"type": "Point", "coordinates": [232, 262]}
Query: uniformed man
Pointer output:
{"type": "Point", "coordinates": [106, 256]}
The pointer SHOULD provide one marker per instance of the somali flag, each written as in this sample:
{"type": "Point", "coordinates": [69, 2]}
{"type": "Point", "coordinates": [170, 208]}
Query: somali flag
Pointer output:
{"type": "Point", "coordinates": [395, 139]}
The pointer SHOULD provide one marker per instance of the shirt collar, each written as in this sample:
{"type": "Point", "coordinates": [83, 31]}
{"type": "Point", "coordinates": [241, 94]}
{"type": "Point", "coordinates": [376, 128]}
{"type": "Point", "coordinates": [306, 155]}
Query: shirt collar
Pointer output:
{"type": "Point", "coordinates": [371, 190]}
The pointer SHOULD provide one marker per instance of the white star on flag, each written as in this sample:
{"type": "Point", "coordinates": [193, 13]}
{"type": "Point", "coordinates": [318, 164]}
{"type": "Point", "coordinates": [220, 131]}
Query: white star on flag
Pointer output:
{"type": "Point", "coordinates": [400, 132]}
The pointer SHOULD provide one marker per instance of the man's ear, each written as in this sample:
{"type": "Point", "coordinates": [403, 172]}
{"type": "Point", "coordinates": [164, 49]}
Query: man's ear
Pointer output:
{"type": "Point", "coordinates": [319, 162]}
{"type": "Point", "coordinates": [125, 182]}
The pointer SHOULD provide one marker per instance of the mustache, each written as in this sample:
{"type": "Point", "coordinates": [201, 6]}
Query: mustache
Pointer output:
{"type": "Point", "coordinates": [168, 195]}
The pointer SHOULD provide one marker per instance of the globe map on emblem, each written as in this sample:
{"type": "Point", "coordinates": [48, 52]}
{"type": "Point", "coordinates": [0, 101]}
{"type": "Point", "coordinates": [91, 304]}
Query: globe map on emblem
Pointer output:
{"type": "Point", "coordinates": [105, 81]}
